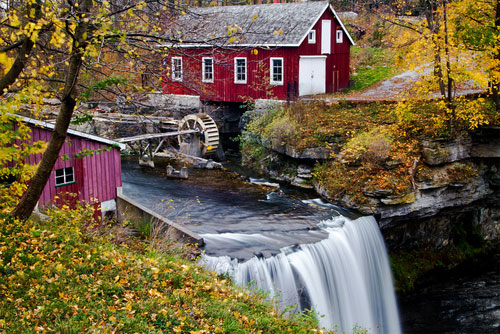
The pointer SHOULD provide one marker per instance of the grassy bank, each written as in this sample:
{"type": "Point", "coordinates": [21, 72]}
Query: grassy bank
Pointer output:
{"type": "Point", "coordinates": [370, 66]}
{"type": "Point", "coordinates": [58, 276]}
{"type": "Point", "coordinates": [362, 139]}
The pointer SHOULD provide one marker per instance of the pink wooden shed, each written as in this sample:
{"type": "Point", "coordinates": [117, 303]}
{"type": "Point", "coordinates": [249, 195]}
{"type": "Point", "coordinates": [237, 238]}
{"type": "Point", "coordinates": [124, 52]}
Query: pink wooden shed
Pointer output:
{"type": "Point", "coordinates": [88, 167]}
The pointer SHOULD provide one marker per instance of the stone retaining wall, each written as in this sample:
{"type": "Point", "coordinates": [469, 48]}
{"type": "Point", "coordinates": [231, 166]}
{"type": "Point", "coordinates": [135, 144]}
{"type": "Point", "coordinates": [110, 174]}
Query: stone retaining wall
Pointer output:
{"type": "Point", "coordinates": [128, 209]}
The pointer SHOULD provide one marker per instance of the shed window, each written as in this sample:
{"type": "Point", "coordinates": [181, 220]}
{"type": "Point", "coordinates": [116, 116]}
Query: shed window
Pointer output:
{"type": "Point", "coordinates": [240, 70]}
{"type": "Point", "coordinates": [177, 68]}
{"type": "Point", "coordinates": [65, 176]}
{"type": "Point", "coordinates": [340, 36]}
{"type": "Point", "coordinates": [276, 71]}
{"type": "Point", "coordinates": [311, 37]}
{"type": "Point", "coordinates": [208, 70]}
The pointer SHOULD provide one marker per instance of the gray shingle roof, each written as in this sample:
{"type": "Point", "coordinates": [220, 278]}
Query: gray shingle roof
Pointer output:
{"type": "Point", "coordinates": [51, 126]}
{"type": "Point", "coordinates": [281, 24]}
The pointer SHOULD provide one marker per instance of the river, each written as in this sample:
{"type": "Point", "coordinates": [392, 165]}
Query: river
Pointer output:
{"type": "Point", "coordinates": [214, 203]}
{"type": "Point", "coordinates": [309, 253]}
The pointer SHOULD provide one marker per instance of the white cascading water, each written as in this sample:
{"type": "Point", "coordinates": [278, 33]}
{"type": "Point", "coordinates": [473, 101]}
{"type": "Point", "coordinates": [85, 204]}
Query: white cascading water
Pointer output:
{"type": "Point", "coordinates": [346, 279]}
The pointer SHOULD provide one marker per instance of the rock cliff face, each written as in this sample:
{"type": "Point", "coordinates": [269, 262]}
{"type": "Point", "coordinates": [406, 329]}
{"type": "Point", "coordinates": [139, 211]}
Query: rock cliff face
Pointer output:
{"type": "Point", "coordinates": [459, 185]}
{"type": "Point", "coordinates": [460, 188]}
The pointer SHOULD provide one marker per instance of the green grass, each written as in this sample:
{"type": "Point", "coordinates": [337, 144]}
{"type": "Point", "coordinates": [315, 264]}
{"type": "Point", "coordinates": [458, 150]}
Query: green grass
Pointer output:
{"type": "Point", "coordinates": [56, 276]}
{"type": "Point", "coordinates": [371, 65]}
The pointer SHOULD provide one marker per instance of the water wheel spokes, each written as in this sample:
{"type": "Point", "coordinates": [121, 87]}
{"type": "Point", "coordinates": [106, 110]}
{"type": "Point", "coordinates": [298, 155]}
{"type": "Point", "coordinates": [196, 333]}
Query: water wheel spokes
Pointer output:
{"type": "Point", "coordinates": [207, 129]}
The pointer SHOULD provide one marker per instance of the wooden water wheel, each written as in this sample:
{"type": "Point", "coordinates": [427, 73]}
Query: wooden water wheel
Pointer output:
{"type": "Point", "coordinates": [207, 129]}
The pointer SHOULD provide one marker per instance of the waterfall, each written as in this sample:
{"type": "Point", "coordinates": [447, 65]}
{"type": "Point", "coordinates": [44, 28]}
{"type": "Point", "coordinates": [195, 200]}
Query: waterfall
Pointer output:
{"type": "Point", "coordinates": [345, 279]}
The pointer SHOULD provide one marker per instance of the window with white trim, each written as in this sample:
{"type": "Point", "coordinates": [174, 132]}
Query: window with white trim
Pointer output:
{"type": "Point", "coordinates": [208, 69]}
{"type": "Point", "coordinates": [311, 37]}
{"type": "Point", "coordinates": [177, 68]}
{"type": "Point", "coordinates": [276, 71]}
{"type": "Point", "coordinates": [240, 70]}
{"type": "Point", "coordinates": [65, 176]}
{"type": "Point", "coordinates": [340, 36]}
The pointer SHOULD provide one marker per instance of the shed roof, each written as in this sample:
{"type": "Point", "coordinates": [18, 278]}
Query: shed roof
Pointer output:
{"type": "Point", "coordinates": [278, 24]}
{"type": "Point", "coordinates": [51, 126]}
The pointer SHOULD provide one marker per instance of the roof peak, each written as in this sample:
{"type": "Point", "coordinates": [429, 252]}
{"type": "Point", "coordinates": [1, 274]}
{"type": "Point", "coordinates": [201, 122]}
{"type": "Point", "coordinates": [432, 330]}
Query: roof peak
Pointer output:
{"type": "Point", "coordinates": [275, 24]}
{"type": "Point", "coordinates": [270, 4]}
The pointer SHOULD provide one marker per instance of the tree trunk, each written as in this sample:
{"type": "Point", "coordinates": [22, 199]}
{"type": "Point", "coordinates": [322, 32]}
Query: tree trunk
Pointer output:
{"type": "Point", "coordinates": [496, 95]}
{"type": "Point", "coordinates": [10, 77]}
{"type": "Point", "coordinates": [30, 198]}
{"type": "Point", "coordinates": [27, 45]}
{"type": "Point", "coordinates": [449, 98]}
{"type": "Point", "coordinates": [495, 81]}
{"type": "Point", "coordinates": [433, 25]}
{"type": "Point", "coordinates": [438, 70]}
{"type": "Point", "coordinates": [447, 54]}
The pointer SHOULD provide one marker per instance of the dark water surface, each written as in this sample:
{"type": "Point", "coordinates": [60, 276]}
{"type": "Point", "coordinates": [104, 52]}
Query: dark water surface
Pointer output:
{"type": "Point", "coordinates": [213, 202]}
{"type": "Point", "coordinates": [465, 305]}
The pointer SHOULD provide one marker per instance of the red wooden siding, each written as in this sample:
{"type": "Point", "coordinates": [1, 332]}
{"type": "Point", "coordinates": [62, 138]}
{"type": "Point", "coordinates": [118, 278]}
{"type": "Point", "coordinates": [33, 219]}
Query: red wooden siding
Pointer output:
{"type": "Point", "coordinates": [258, 81]}
{"type": "Point", "coordinates": [96, 176]}
{"type": "Point", "coordinates": [337, 60]}
{"type": "Point", "coordinates": [223, 87]}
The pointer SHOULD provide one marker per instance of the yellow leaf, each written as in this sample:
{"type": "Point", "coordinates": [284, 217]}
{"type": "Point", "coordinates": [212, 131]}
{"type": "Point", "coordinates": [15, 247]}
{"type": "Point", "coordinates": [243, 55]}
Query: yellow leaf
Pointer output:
{"type": "Point", "coordinates": [14, 21]}
{"type": "Point", "coordinates": [6, 61]}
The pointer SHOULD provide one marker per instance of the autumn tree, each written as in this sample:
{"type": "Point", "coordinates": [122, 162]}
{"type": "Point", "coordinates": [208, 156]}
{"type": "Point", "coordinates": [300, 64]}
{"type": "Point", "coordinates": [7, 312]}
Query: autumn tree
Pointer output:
{"type": "Point", "coordinates": [478, 27]}
{"type": "Point", "coordinates": [431, 45]}
{"type": "Point", "coordinates": [68, 50]}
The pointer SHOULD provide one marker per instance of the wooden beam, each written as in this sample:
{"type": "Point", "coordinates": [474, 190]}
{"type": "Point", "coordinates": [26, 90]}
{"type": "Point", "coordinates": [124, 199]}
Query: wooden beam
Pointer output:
{"type": "Point", "coordinates": [155, 135]}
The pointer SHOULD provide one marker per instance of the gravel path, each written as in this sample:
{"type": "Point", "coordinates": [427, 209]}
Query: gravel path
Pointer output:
{"type": "Point", "coordinates": [391, 90]}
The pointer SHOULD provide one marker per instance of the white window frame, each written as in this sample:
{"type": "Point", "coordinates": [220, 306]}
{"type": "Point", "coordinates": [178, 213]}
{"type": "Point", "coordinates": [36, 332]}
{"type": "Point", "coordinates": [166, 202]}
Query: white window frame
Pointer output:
{"type": "Point", "coordinates": [203, 70]}
{"type": "Point", "coordinates": [271, 67]}
{"type": "Point", "coordinates": [66, 176]}
{"type": "Point", "coordinates": [339, 36]}
{"type": "Point", "coordinates": [236, 81]}
{"type": "Point", "coordinates": [176, 76]}
{"type": "Point", "coordinates": [311, 37]}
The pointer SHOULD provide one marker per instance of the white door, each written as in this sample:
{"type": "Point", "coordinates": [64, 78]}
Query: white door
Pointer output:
{"type": "Point", "coordinates": [312, 78]}
{"type": "Point", "coordinates": [326, 36]}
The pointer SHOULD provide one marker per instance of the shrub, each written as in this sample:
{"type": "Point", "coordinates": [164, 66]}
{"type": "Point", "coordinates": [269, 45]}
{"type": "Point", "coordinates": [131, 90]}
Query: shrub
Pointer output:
{"type": "Point", "coordinates": [371, 148]}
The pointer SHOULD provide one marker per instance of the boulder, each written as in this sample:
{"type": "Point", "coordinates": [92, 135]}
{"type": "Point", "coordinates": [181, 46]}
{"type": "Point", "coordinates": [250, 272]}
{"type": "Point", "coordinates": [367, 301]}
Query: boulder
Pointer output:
{"type": "Point", "coordinates": [303, 169]}
{"type": "Point", "coordinates": [429, 202]}
{"type": "Point", "coordinates": [440, 151]}
{"type": "Point", "coordinates": [454, 174]}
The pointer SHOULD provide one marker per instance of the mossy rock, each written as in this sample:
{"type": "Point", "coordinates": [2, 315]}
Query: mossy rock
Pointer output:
{"type": "Point", "coordinates": [402, 199]}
